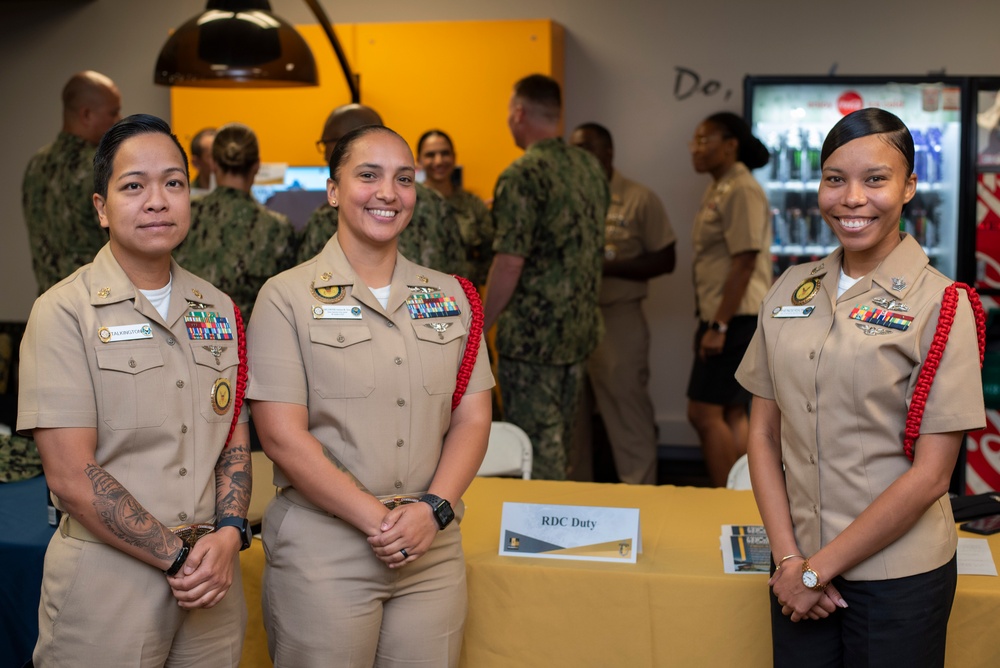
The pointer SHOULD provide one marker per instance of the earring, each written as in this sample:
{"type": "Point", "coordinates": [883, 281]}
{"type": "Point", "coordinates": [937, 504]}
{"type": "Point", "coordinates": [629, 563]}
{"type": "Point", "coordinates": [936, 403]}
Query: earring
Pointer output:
{"type": "Point", "coordinates": [333, 202]}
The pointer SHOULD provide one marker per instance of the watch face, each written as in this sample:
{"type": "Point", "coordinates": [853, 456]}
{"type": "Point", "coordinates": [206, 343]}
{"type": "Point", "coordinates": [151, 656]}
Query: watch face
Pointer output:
{"type": "Point", "coordinates": [810, 579]}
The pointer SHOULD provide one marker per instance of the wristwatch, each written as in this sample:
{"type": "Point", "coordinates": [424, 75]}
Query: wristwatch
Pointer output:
{"type": "Point", "coordinates": [241, 523]}
{"type": "Point", "coordinates": [178, 561]}
{"type": "Point", "coordinates": [810, 578]}
{"type": "Point", "coordinates": [443, 514]}
{"type": "Point", "coordinates": [719, 327]}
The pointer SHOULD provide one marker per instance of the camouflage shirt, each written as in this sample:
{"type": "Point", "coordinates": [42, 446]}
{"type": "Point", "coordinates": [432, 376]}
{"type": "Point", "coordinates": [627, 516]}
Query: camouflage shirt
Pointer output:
{"type": "Point", "coordinates": [57, 198]}
{"type": "Point", "coordinates": [432, 238]}
{"type": "Point", "coordinates": [236, 244]}
{"type": "Point", "coordinates": [549, 208]}
{"type": "Point", "coordinates": [476, 225]}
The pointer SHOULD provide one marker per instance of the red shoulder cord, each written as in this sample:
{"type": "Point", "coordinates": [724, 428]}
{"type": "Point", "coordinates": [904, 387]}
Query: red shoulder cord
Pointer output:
{"type": "Point", "coordinates": [471, 342]}
{"type": "Point", "coordinates": [241, 372]}
{"type": "Point", "coordinates": [923, 388]}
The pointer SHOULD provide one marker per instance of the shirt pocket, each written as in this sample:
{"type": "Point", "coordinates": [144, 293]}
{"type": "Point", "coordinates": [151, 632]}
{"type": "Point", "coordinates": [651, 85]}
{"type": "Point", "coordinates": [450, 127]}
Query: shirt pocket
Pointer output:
{"type": "Point", "coordinates": [131, 386]}
{"type": "Point", "coordinates": [216, 368]}
{"type": "Point", "coordinates": [343, 362]}
{"type": "Point", "coordinates": [440, 346]}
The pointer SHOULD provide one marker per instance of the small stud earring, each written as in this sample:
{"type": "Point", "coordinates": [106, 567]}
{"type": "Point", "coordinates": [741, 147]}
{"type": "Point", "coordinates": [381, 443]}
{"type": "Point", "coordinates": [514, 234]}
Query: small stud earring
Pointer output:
{"type": "Point", "coordinates": [333, 202]}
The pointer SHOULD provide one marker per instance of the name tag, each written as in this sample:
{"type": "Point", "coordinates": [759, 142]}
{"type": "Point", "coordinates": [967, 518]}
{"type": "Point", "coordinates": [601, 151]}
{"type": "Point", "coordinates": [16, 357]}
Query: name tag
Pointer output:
{"type": "Point", "coordinates": [582, 533]}
{"type": "Point", "coordinates": [336, 312]}
{"type": "Point", "coordinates": [792, 311]}
{"type": "Point", "coordinates": [125, 333]}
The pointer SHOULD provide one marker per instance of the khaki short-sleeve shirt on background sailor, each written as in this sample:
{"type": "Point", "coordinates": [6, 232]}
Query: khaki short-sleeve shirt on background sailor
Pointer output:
{"type": "Point", "coordinates": [843, 377]}
{"type": "Point", "coordinates": [734, 218]}
{"type": "Point", "coordinates": [160, 393]}
{"type": "Point", "coordinates": [377, 382]}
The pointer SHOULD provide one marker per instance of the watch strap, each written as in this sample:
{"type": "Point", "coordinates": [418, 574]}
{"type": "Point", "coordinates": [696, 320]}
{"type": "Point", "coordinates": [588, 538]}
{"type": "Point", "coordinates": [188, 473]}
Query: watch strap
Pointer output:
{"type": "Point", "coordinates": [240, 523]}
{"type": "Point", "coordinates": [443, 513]}
{"type": "Point", "coordinates": [178, 561]}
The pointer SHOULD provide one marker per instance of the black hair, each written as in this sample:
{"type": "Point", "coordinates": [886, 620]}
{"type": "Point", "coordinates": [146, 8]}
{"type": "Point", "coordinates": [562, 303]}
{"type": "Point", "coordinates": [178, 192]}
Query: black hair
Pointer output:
{"type": "Point", "coordinates": [434, 133]}
{"type": "Point", "coordinates": [602, 132]}
{"type": "Point", "coordinates": [870, 121]}
{"type": "Point", "coordinates": [126, 128]}
{"type": "Point", "coordinates": [342, 150]}
{"type": "Point", "coordinates": [751, 151]}
{"type": "Point", "coordinates": [541, 90]}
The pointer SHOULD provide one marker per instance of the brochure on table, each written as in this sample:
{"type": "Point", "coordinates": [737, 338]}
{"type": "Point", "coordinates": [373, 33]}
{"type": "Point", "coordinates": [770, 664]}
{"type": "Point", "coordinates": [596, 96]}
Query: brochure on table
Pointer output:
{"type": "Point", "coordinates": [582, 533]}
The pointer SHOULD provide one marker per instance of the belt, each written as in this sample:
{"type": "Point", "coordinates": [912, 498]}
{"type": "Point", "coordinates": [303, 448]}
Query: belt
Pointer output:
{"type": "Point", "coordinates": [390, 501]}
{"type": "Point", "coordinates": [189, 533]}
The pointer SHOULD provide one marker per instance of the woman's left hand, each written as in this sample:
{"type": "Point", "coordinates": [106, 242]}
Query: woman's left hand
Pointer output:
{"type": "Point", "coordinates": [798, 601]}
{"type": "Point", "coordinates": [406, 533]}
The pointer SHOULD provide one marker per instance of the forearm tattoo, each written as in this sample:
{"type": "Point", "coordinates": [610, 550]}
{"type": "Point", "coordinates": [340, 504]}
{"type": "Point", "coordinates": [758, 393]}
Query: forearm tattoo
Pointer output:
{"type": "Point", "coordinates": [125, 517]}
{"type": "Point", "coordinates": [336, 462]}
{"type": "Point", "coordinates": [233, 482]}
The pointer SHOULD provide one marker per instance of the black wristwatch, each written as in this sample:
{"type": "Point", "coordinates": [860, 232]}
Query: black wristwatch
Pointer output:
{"type": "Point", "coordinates": [443, 514]}
{"type": "Point", "coordinates": [717, 326]}
{"type": "Point", "coordinates": [241, 523]}
{"type": "Point", "coordinates": [178, 561]}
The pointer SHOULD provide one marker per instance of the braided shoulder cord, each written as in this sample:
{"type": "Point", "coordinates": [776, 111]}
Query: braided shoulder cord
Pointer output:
{"type": "Point", "coordinates": [471, 341]}
{"type": "Point", "coordinates": [241, 372]}
{"type": "Point", "coordinates": [918, 402]}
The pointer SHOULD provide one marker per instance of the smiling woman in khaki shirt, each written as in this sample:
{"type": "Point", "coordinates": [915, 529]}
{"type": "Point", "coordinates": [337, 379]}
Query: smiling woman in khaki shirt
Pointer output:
{"type": "Point", "coordinates": [832, 367]}
{"type": "Point", "coordinates": [355, 355]}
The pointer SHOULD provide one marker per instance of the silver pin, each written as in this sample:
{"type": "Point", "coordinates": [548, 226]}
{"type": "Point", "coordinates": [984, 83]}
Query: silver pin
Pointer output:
{"type": "Point", "coordinates": [890, 304]}
{"type": "Point", "coordinates": [439, 327]}
{"type": "Point", "coordinates": [898, 284]}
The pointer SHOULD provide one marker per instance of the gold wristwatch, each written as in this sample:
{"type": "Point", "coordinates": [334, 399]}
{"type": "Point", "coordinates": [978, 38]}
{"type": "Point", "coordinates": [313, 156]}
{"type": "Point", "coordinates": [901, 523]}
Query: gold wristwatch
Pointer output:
{"type": "Point", "coordinates": [810, 578]}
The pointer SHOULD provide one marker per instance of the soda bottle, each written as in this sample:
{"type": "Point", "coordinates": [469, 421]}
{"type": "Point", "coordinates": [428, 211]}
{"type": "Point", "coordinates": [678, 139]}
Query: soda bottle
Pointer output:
{"type": "Point", "coordinates": [920, 155]}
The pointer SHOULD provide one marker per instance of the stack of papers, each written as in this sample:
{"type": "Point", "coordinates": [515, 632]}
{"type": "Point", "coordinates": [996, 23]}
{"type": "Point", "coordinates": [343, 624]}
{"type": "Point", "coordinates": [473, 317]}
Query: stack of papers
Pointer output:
{"type": "Point", "coordinates": [745, 549]}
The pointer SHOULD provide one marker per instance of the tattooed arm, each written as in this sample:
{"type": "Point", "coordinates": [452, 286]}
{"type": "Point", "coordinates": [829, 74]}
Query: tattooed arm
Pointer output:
{"type": "Point", "coordinates": [208, 572]}
{"type": "Point", "coordinates": [97, 501]}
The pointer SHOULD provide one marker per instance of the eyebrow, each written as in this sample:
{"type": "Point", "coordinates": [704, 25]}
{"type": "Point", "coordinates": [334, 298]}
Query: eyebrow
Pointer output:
{"type": "Point", "coordinates": [139, 172]}
{"type": "Point", "coordinates": [877, 168]}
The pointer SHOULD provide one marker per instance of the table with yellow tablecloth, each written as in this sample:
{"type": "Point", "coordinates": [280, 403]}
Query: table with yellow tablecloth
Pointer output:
{"type": "Point", "coordinates": [673, 607]}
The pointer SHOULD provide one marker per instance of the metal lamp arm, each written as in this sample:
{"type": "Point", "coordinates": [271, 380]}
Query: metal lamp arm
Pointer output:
{"type": "Point", "coordinates": [324, 22]}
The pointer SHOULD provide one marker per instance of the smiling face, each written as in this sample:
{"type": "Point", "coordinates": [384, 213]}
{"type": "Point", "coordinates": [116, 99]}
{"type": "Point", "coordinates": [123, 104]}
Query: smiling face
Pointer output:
{"type": "Point", "coordinates": [437, 158]}
{"type": "Point", "coordinates": [147, 209]}
{"type": "Point", "coordinates": [864, 186]}
{"type": "Point", "coordinates": [374, 189]}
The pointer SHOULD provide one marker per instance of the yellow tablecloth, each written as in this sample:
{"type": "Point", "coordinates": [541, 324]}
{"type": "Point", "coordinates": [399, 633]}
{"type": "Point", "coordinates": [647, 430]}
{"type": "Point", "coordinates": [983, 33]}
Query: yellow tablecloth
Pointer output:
{"type": "Point", "coordinates": [674, 607]}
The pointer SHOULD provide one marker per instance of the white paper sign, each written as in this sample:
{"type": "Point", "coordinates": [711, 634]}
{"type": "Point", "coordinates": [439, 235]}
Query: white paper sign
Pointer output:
{"type": "Point", "coordinates": [583, 533]}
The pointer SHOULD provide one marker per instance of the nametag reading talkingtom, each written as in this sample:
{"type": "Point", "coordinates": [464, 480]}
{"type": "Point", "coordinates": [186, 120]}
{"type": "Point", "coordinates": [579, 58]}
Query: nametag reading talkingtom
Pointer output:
{"type": "Point", "coordinates": [125, 333]}
{"type": "Point", "coordinates": [792, 311]}
{"type": "Point", "coordinates": [582, 533]}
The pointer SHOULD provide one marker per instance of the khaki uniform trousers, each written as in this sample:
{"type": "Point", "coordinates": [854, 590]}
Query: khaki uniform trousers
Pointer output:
{"type": "Point", "coordinates": [618, 373]}
{"type": "Point", "coordinates": [328, 600]}
{"type": "Point", "coordinates": [101, 607]}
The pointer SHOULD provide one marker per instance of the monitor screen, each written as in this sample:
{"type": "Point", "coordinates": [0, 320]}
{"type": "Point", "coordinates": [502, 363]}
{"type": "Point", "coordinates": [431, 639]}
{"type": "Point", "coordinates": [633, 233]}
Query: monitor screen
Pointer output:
{"type": "Point", "coordinates": [301, 192]}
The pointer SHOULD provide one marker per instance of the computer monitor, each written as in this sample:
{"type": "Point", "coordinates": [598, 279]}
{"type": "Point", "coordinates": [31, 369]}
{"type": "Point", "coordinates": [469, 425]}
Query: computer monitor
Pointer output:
{"type": "Point", "coordinates": [301, 191]}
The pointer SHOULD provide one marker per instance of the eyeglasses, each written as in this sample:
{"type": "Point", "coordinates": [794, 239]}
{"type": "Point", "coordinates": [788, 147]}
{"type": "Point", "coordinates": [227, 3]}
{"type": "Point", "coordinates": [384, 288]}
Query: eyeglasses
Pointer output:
{"type": "Point", "coordinates": [700, 142]}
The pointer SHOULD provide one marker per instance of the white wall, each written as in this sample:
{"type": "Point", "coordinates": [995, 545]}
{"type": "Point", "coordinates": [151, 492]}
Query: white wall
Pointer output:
{"type": "Point", "coordinates": [622, 59]}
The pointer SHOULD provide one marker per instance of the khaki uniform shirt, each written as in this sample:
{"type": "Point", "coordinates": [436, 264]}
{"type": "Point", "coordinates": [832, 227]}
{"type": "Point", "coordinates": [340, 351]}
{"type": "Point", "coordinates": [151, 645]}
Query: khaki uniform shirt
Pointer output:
{"type": "Point", "coordinates": [636, 224]}
{"type": "Point", "coordinates": [157, 398]}
{"type": "Point", "coordinates": [843, 387]}
{"type": "Point", "coordinates": [734, 218]}
{"type": "Point", "coordinates": [377, 382]}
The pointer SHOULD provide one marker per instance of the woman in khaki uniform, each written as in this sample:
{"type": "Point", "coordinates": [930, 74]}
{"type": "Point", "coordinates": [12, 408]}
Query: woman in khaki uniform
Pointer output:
{"type": "Point", "coordinates": [356, 355]}
{"type": "Point", "coordinates": [863, 538]}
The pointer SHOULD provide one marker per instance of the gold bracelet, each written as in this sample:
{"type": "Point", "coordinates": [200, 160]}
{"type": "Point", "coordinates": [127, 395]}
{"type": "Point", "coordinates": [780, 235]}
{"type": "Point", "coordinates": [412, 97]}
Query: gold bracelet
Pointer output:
{"type": "Point", "coordinates": [791, 556]}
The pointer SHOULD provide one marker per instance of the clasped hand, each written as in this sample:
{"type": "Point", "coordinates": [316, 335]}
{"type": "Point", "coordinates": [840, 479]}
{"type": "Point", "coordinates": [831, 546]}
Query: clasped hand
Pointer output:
{"type": "Point", "coordinates": [798, 601]}
{"type": "Point", "coordinates": [207, 573]}
{"type": "Point", "coordinates": [410, 528]}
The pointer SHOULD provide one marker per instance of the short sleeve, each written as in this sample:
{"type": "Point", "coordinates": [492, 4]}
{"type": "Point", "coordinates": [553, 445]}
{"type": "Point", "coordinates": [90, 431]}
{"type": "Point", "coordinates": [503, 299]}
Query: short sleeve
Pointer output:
{"type": "Point", "coordinates": [745, 216]}
{"type": "Point", "coordinates": [277, 371]}
{"type": "Point", "coordinates": [513, 216]}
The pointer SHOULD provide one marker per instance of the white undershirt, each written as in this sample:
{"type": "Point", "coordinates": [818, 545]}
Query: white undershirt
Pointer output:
{"type": "Point", "coordinates": [160, 298]}
{"type": "Point", "coordinates": [382, 295]}
{"type": "Point", "coordinates": [845, 283]}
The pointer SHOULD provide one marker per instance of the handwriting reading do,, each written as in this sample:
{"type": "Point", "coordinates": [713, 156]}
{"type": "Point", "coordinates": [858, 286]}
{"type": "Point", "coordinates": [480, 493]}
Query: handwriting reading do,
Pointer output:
{"type": "Point", "coordinates": [687, 83]}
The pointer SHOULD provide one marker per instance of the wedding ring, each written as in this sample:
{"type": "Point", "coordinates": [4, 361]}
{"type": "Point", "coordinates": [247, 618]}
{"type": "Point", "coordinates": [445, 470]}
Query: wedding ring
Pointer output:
{"type": "Point", "coordinates": [403, 552]}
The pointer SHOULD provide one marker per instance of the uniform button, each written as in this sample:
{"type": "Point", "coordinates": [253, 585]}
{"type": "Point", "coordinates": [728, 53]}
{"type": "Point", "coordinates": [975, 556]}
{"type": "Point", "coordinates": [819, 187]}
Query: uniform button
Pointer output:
{"type": "Point", "coordinates": [171, 342]}
{"type": "Point", "coordinates": [812, 355]}
{"type": "Point", "coordinates": [399, 484]}
{"type": "Point", "coordinates": [340, 338]}
{"type": "Point", "coordinates": [812, 460]}
{"type": "Point", "coordinates": [398, 361]}
{"type": "Point", "coordinates": [180, 383]}
{"type": "Point", "coordinates": [184, 429]}
{"type": "Point", "coordinates": [388, 323]}
{"type": "Point", "coordinates": [131, 363]}
{"type": "Point", "coordinates": [400, 402]}
{"type": "Point", "coordinates": [182, 516]}
{"type": "Point", "coordinates": [809, 407]}
{"type": "Point", "coordinates": [815, 510]}
{"type": "Point", "coordinates": [399, 442]}
{"type": "Point", "coordinates": [183, 471]}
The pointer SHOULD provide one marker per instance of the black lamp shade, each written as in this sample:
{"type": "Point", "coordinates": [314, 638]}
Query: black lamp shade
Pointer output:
{"type": "Point", "coordinates": [236, 43]}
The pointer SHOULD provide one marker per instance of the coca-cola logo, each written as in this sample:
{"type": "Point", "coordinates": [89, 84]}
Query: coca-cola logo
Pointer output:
{"type": "Point", "coordinates": [849, 102]}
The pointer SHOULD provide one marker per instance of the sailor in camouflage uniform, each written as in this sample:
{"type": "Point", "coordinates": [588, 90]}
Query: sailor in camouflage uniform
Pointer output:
{"type": "Point", "coordinates": [549, 208]}
{"type": "Point", "coordinates": [58, 187]}
{"type": "Point", "coordinates": [432, 239]}
{"type": "Point", "coordinates": [235, 242]}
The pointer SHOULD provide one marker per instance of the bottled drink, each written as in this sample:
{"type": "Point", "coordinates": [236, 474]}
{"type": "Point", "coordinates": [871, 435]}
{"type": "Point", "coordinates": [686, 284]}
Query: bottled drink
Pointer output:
{"type": "Point", "coordinates": [935, 171]}
{"type": "Point", "coordinates": [920, 155]}
{"type": "Point", "coordinates": [794, 156]}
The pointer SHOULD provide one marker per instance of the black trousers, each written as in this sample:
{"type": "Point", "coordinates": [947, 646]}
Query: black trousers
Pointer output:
{"type": "Point", "coordinates": [902, 622]}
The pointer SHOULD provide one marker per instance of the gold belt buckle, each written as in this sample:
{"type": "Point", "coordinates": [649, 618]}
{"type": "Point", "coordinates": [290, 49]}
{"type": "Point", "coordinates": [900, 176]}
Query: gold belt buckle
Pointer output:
{"type": "Point", "coordinates": [191, 533]}
{"type": "Point", "coordinates": [399, 500]}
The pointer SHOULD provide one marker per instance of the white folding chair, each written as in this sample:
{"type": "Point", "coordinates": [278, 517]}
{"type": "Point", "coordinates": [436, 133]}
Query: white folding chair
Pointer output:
{"type": "Point", "coordinates": [508, 453]}
{"type": "Point", "coordinates": [739, 475]}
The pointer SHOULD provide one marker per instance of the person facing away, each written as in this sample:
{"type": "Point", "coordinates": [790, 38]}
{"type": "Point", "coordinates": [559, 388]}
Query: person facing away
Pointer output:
{"type": "Point", "coordinates": [549, 208]}
{"type": "Point", "coordinates": [638, 245]}
{"type": "Point", "coordinates": [433, 237]}
{"type": "Point", "coordinates": [201, 160]}
{"type": "Point", "coordinates": [235, 242]}
{"type": "Point", "coordinates": [58, 185]}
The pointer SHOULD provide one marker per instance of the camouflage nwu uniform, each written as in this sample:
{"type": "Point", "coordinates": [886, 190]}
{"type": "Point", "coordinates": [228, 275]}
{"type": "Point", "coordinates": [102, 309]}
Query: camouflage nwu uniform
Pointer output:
{"type": "Point", "coordinates": [432, 238]}
{"type": "Point", "coordinates": [549, 208]}
{"type": "Point", "coordinates": [236, 244]}
{"type": "Point", "coordinates": [57, 198]}
{"type": "Point", "coordinates": [476, 225]}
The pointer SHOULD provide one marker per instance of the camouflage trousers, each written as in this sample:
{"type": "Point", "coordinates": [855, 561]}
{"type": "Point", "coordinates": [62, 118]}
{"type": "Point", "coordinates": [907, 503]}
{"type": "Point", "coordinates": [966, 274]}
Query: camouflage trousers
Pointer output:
{"type": "Point", "coordinates": [543, 399]}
